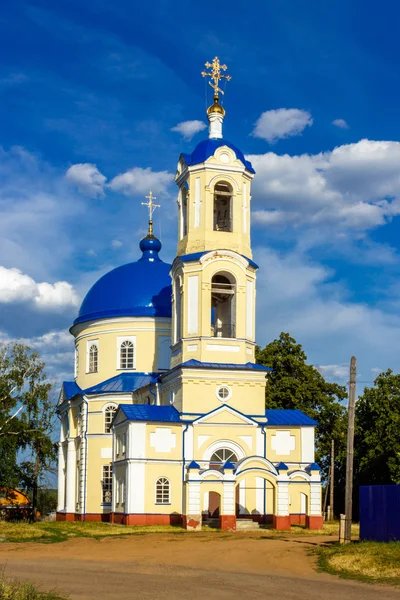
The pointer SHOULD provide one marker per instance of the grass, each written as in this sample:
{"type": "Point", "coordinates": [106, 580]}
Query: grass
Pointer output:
{"type": "Point", "coordinates": [60, 531]}
{"type": "Point", "coordinates": [15, 590]}
{"type": "Point", "coordinates": [374, 562]}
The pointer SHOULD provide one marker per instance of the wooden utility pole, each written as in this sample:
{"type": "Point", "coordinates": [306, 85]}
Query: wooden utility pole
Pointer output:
{"type": "Point", "coordinates": [350, 451]}
{"type": "Point", "coordinates": [332, 470]}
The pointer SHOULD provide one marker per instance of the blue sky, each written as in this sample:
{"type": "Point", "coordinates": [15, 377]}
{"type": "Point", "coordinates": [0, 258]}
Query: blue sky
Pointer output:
{"type": "Point", "coordinates": [89, 95]}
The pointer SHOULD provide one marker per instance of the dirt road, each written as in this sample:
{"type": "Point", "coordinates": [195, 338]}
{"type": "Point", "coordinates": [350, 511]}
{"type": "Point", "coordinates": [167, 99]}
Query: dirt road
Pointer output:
{"type": "Point", "coordinates": [172, 566]}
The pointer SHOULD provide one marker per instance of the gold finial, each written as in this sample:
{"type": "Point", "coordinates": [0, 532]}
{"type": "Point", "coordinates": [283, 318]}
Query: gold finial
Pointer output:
{"type": "Point", "coordinates": [215, 76]}
{"type": "Point", "coordinates": [152, 207]}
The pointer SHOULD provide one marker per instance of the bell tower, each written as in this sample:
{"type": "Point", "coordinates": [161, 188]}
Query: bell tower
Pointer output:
{"type": "Point", "coordinates": [213, 275]}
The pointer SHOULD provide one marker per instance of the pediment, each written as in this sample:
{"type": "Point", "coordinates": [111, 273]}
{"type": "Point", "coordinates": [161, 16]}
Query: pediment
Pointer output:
{"type": "Point", "coordinates": [225, 415]}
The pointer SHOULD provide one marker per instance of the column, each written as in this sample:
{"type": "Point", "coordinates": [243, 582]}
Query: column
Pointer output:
{"type": "Point", "coordinates": [281, 518]}
{"type": "Point", "coordinates": [227, 519]}
{"type": "Point", "coordinates": [71, 477]}
{"type": "Point", "coordinates": [314, 517]}
{"type": "Point", "coordinates": [61, 478]}
{"type": "Point", "coordinates": [192, 518]}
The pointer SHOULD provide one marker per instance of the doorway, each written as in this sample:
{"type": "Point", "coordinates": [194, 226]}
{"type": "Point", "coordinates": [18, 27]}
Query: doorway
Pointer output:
{"type": "Point", "coordinates": [214, 505]}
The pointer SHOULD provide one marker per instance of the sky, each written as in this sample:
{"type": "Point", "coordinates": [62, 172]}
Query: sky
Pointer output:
{"type": "Point", "coordinates": [98, 100]}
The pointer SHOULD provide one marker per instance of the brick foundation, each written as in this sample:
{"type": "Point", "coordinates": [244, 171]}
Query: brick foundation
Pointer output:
{"type": "Point", "coordinates": [90, 517]}
{"type": "Point", "coordinates": [299, 519]}
{"type": "Point", "coordinates": [227, 522]}
{"type": "Point", "coordinates": [148, 519]}
{"type": "Point", "coordinates": [281, 523]}
{"type": "Point", "coordinates": [315, 522]}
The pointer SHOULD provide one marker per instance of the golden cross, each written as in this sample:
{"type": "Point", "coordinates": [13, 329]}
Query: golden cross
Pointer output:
{"type": "Point", "coordinates": [152, 207]}
{"type": "Point", "coordinates": [215, 75]}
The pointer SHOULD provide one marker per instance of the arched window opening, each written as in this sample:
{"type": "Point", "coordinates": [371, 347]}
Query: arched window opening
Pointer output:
{"type": "Point", "coordinates": [184, 209]}
{"type": "Point", "coordinates": [221, 456]}
{"type": "Point", "coordinates": [93, 358]}
{"type": "Point", "coordinates": [223, 306]}
{"type": "Point", "coordinates": [109, 414]}
{"type": "Point", "coordinates": [127, 355]}
{"type": "Point", "coordinates": [178, 309]}
{"type": "Point", "coordinates": [223, 207]}
{"type": "Point", "coordinates": [163, 489]}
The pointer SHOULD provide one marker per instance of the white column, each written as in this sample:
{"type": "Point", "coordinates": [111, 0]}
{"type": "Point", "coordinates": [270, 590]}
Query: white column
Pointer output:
{"type": "Point", "coordinates": [228, 501]}
{"type": "Point", "coordinates": [242, 497]}
{"type": "Point", "coordinates": [282, 501]}
{"type": "Point", "coordinates": [61, 478]}
{"type": "Point", "coordinates": [315, 499]}
{"type": "Point", "coordinates": [71, 476]}
{"type": "Point", "coordinates": [215, 125]}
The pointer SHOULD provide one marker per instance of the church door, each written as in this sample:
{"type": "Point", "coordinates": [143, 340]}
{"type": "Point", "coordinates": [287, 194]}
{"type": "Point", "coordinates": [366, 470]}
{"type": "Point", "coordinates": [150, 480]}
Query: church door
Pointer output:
{"type": "Point", "coordinates": [214, 502]}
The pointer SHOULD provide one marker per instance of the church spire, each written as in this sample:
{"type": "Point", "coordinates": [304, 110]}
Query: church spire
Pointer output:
{"type": "Point", "coordinates": [215, 112]}
{"type": "Point", "coordinates": [152, 207]}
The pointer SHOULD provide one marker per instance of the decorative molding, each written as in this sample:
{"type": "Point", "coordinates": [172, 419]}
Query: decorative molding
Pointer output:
{"type": "Point", "coordinates": [283, 443]}
{"type": "Point", "coordinates": [222, 348]}
{"type": "Point", "coordinates": [163, 440]}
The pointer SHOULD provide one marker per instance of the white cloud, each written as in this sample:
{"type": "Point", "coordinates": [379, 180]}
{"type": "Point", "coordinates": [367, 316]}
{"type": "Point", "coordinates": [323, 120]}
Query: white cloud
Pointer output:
{"type": "Point", "coordinates": [341, 123]}
{"type": "Point", "coordinates": [189, 128]}
{"type": "Point", "coordinates": [334, 371]}
{"type": "Point", "coordinates": [355, 186]}
{"type": "Point", "coordinates": [116, 244]}
{"type": "Point", "coordinates": [140, 181]}
{"type": "Point", "coordinates": [273, 125]}
{"type": "Point", "coordinates": [87, 179]}
{"type": "Point", "coordinates": [16, 287]}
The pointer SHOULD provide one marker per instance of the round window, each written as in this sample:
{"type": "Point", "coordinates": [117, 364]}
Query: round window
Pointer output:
{"type": "Point", "coordinates": [224, 393]}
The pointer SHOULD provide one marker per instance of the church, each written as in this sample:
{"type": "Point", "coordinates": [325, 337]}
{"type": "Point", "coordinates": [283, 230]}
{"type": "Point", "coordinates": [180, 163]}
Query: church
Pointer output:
{"type": "Point", "coordinates": [165, 420]}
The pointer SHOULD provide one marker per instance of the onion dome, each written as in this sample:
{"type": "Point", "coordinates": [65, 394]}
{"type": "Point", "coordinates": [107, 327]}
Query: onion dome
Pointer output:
{"type": "Point", "coordinates": [137, 289]}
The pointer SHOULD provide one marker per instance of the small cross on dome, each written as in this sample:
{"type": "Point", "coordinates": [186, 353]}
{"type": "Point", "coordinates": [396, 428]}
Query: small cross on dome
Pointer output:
{"type": "Point", "coordinates": [152, 207]}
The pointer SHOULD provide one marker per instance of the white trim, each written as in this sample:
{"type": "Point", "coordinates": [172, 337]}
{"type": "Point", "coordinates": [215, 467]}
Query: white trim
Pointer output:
{"type": "Point", "coordinates": [222, 348]}
{"type": "Point", "coordinates": [204, 418]}
{"type": "Point", "coordinates": [264, 461]}
{"type": "Point", "coordinates": [136, 494]}
{"type": "Point", "coordinates": [193, 304]}
{"type": "Point", "coordinates": [223, 254]}
{"type": "Point", "coordinates": [221, 177]}
{"type": "Point", "coordinates": [244, 211]}
{"type": "Point", "coordinates": [197, 203]}
{"type": "Point", "coordinates": [220, 445]}
{"type": "Point", "coordinates": [120, 340]}
{"type": "Point", "coordinates": [249, 310]}
{"type": "Point", "coordinates": [307, 444]}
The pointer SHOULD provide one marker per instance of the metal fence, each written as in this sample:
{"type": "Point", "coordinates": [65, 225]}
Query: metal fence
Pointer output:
{"type": "Point", "coordinates": [380, 512]}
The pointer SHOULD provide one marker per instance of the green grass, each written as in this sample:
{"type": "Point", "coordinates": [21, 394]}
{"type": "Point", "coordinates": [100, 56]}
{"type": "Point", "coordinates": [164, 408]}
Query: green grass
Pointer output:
{"type": "Point", "coordinates": [15, 590]}
{"type": "Point", "coordinates": [373, 562]}
{"type": "Point", "coordinates": [51, 532]}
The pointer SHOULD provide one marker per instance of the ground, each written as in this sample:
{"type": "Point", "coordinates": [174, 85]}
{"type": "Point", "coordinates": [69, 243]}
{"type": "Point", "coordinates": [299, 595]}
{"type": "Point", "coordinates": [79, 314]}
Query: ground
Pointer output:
{"type": "Point", "coordinates": [180, 565]}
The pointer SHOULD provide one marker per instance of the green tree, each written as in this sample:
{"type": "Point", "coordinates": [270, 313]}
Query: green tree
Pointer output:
{"type": "Point", "coordinates": [294, 384]}
{"type": "Point", "coordinates": [377, 433]}
{"type": "Point", "coordinates": [27, 415]}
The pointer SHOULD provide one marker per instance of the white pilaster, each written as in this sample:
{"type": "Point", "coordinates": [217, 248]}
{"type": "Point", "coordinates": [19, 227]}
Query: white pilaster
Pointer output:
{"type": "Point", "coordinates": [61, 478]}
{"type": "Point", "coordinates": [193, 498]}
{"type": "Point", "coordinates": [282, 500]}
{"type": "Point", "coordinates": [228, 501]}
{"type": "Point", "coordinates": [136, 494]}
{"type": "Point", "coordinates": [307, 444]}
{"type": "Point", "coordinates": [315, 498]}
{"type": "Point", "coordinates": [71, 476]}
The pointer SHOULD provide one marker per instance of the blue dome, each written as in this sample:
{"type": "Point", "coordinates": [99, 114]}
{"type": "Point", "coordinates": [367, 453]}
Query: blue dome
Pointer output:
{"type": "Point", "coordinates": [138, 289]}
{"type": "Point", "coordinates": [206, 148]}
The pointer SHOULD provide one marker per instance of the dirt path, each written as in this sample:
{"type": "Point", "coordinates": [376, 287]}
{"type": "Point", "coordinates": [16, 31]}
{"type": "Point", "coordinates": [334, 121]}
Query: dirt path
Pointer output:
{"type": "Point", "coordinates": [175, 566]}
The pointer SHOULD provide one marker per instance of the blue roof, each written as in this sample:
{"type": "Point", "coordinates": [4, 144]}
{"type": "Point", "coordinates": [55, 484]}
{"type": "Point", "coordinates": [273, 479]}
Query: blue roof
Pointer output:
{"type": "Point", "coordinates": [122, 383]}
{"type": "Point", "coordinates": [138, 289]}
{"type": "Point", "coordinates": [197, 364]}
{"type": "Point", "coordinates": [313, 467]}
{"type": "Point", "coordinates": [206, 148]}
{"type": "Point", "coordinates": [286, 416]}
{"type": "Point", "coordinates": [229, 466]}
{"type": "Point", "coordinates": [71, 389]}
{"type": "Point", "coordinates": [194, 465]}
{"type": "Point", "coordinates": [197, 255]}
{"type": "Point", "coordinates": [282, 467]}
{"type": "Point", "coordinates": [148, 412]}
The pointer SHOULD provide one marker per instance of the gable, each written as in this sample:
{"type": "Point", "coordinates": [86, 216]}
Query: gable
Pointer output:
{"type": "Point", "coordinates": [225, 415]}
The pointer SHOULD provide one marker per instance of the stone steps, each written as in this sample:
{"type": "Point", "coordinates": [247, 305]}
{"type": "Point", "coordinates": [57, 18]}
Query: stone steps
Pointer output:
{"type": "Point", "coordinates": [246, 525]}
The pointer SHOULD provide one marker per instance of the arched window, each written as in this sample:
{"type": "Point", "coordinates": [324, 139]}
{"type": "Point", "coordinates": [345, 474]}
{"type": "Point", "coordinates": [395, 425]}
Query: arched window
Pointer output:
{"type": "Point", "coordinates": [127, 355]}
{"type": "Point", "coordinates": [109, 414]}
{"type": "Point", "coordinates": [223, 207]}
{"type": "Point", "coordinates": [221, 456]}
{"type": "Point", "coordinates": [163, 490]}
{"type": "Point", "coordinates": [223, 305]}
{"type": "Point", "coordinates": [93, 358]}
{"type": "Point", "coordinates": [178, 309]}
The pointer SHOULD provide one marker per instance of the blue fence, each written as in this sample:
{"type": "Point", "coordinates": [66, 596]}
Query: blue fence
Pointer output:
{"type": "Point", "coordinates": [380, 512]}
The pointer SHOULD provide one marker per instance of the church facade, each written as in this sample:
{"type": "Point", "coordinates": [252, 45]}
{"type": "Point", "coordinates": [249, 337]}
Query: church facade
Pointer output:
{"type": "Point", "coordinates": [165, 421]}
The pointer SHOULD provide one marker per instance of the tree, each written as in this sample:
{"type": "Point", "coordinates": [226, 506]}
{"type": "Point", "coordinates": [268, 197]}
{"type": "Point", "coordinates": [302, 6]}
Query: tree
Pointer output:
{"type": "Point", "coordinates": [294, 384]}
{"type": "Point", "coordinates": [26, 418]}
{"type": "Point", "coordinates": [377, 433]}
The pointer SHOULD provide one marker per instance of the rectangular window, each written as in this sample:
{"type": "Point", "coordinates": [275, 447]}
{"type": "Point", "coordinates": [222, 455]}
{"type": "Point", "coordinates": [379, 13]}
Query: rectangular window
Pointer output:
{"type": "Point", "coordinates": [107, 484]}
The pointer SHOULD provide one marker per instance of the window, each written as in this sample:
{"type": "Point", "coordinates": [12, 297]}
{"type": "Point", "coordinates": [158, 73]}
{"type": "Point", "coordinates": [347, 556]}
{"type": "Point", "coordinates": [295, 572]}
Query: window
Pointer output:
{"type": "Point", "coordinates": [127, 355]}
{"type": "Point", "coordinates": [93, 357]}
{"type": "Point", "coordinates": [108, 417]}
{"type": "Point", "coordinates": [223, 207]}
{"type": "Point", "coordinates": [162, 491]}
{"type": "Point", "coordinates": [107, 484]}
{"type": "Point", "coordinates": [224, 392]}
{"type": "Point", "coordinates": [222, 455]}
{"type": "Point", "coordinates": [76, 362]}
{"type": "Point", "coordinates": [223, 305]}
